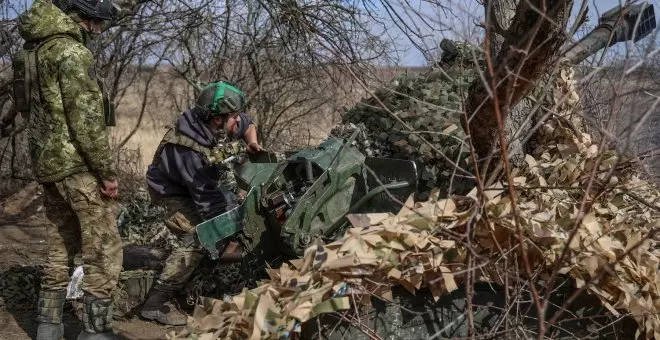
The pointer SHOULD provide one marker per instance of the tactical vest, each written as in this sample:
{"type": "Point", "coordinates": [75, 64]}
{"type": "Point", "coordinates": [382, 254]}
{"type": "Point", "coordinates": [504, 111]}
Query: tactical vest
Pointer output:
{"type": "Point", "coordinates": [177, 138]}
{"type": "Point", "coordinates": [26, 83]}
{"type": "Point", "coordinates": [211, 155]}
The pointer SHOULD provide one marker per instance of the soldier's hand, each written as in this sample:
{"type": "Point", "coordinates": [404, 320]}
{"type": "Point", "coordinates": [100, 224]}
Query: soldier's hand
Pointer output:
{"type": "Point", "coordinates": [254, 147]}
{"type": "Point", "coordinates": [110, 188]}
{"type": "Point", "coordinates": [242, 194]}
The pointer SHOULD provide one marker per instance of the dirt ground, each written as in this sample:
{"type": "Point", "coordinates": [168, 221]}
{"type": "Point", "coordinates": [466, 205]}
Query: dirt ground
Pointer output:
{"type": "Point", "coordinates": [22, 243]}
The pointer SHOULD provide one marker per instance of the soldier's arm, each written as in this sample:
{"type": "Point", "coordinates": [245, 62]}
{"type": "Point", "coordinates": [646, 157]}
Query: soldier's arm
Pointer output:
{"type": "Point", "coordinates": [248, 132]}
{"type": "Point", "coordinates": [251, 135]}
{"type": "Point", "coordinates": [83, 106]}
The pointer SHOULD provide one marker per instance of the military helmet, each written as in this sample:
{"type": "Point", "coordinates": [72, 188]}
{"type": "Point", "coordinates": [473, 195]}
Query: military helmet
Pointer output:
{"type": "Point", "coordinates": [220, 98]}
{"type": "Point", "coordinates": [93, 9]}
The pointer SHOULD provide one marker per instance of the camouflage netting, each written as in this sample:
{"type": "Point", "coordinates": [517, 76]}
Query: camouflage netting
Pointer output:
{"type": "Point", "coordinates": [606, 233]}
{"type": "Point", "coordinates": [614, 253]}
{"type": "Point", "coordinates": [423, 107]}
{"type": "Point", "coordinates": [19, 287]}
{"type": "Point", "coordinates": [140, 222]}
{"type": "Point", "coordinates": [422, 119]}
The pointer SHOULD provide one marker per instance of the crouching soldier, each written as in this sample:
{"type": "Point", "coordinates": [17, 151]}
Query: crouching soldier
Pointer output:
{"type": "Point", "coordinates": [184, 179]}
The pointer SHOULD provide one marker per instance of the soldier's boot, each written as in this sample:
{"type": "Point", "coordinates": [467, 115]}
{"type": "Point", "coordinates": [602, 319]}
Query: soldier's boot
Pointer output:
{"type": "Point", "coordinates": [49, 315]}
{"type": "Point", "coordinates": [160, 307]}
{"type": "Point", "coordinates": [97, 319]}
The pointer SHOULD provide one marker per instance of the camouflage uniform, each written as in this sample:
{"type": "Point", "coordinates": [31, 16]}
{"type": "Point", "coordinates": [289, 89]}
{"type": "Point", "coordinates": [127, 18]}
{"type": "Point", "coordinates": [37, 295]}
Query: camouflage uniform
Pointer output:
{"type": "Point", "coordinates": [70, 153]}
{"type": "Point", "coordinates": [187, 179]}
{"type": "Point", "coordinates": [181, 219]}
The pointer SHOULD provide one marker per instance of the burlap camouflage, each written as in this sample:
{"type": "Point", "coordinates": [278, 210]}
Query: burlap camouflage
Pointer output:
{"type": "Point", "coordinates": [66, 132]}
{"type": "Point", "coordinates": [80, 220]}
{"type": "Point", "coordinates": [181, 218]}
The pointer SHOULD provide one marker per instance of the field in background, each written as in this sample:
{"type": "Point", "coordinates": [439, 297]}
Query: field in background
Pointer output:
{"type": "Point", "coordinates": [168, 96]}
{"type": "Point", "coordinates": [167, 99]}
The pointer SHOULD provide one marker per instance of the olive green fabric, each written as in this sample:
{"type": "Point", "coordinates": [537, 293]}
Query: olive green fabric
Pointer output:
{"type": "Point", "coordinates": [67, 131]}
{"type": "Point", "coordinates": [181, 219]}
{"type": "Point", "coordinates": [212, 155]}
{"type": "Point", "coordinates": [172, 136]}
{"type": "Point", "coordinates": [80, 220]}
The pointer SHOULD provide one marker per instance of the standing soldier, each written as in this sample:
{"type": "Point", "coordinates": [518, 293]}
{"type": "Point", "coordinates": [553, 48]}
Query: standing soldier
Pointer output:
{"type": "Point", "coordinates": [72, 159]}
{"type": "Point", "coordinates": [185, 179]}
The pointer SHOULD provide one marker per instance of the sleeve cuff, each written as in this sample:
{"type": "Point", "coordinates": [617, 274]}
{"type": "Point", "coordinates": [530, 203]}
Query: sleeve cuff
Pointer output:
{"type": "Point", "coordinates": [107, 175]}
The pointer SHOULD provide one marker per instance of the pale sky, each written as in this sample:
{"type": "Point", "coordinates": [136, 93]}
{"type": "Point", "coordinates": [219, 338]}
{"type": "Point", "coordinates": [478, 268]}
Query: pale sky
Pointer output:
{"type": "Point", "coordinates": [433, 24]}
{"type": "Point", "coordinates": [470, 9]}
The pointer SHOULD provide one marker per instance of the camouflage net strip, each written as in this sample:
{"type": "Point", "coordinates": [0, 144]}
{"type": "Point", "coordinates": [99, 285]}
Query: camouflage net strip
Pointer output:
{"type": "Point", "coordinates": [614, 241]}
{"type": "Point", "coordinates": [615, 251]}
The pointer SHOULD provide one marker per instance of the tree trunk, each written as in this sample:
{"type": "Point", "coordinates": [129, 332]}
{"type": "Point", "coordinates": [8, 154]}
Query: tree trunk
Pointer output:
{"type": "Point", "coordinates": [530, 47]}
{"type": "Point", "coordinates": [503, 12]}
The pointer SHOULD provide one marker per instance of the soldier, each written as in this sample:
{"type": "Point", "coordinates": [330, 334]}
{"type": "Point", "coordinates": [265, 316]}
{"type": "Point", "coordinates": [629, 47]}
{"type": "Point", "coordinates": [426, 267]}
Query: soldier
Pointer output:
{"type": "Point", "coordinates": [72, 159]}
{"type": "Point", "coordinates": [184, 177]}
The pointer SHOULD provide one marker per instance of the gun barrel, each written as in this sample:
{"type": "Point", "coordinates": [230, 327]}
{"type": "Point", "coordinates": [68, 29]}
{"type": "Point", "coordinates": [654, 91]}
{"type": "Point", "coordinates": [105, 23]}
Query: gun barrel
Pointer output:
{"type": "Point", "coordinates": [589, 45]}
{"type": "Point", "coordinates": [630, 22]}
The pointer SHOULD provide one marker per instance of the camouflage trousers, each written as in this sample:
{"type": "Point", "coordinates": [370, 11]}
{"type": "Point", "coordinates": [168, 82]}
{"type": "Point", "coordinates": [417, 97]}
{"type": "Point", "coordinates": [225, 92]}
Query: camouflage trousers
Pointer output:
{"type": "Point", "coordinates": [181, 219]}
{"type": "Point", "coordinates": [79, 220]}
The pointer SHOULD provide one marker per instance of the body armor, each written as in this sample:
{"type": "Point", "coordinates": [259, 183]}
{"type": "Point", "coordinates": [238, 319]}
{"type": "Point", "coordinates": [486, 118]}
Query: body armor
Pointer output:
{"type": "Point", "coordinates": [218, 156]}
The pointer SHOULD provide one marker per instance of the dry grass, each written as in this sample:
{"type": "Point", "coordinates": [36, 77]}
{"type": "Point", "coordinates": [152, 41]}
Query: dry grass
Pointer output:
{"type": "Point", "coordinates": [165, 93]}
{"type": "Point", "coordinates": [167, 98]}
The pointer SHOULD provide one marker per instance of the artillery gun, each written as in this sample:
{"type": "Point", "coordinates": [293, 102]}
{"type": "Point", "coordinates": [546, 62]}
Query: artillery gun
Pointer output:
{"type": "Point", "coordinates": [307, 196]}
{"type": "Point", "coordinates": [291, 203]}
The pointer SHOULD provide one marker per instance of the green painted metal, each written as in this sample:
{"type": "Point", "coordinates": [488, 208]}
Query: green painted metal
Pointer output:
{"type": "Point", "coordinates": [293, 202]}
{"type": "Point", "coordinates": [223, 226]}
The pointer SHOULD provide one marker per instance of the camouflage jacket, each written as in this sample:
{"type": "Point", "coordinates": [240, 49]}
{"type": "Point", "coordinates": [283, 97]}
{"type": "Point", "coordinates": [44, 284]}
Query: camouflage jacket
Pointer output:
{"type": "Point", "coordinates": [66, 132]}
{"type": "Point", "coordinates": [188, 164]}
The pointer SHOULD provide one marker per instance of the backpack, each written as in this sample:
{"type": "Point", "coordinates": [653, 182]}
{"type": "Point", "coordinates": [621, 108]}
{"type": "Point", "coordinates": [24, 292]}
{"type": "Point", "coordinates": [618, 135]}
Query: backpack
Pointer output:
{"type": "Point", "coordinates": [25, 83]}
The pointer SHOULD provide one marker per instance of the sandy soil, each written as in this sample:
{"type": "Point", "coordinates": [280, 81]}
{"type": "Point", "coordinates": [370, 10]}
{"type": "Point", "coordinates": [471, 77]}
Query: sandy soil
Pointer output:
{"type": "Point", "coordinates": [22, 243]}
